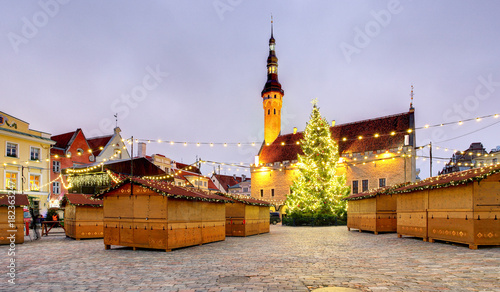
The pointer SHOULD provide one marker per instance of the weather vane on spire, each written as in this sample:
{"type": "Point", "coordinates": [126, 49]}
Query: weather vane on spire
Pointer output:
{"type": "Point", "coordinates": [116, 120]}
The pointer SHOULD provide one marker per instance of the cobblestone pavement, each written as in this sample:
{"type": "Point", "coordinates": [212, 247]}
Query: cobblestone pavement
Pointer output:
{"type": "Point", "coordinates": [287, 259]}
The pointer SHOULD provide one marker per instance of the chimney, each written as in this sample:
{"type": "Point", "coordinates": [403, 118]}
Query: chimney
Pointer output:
{"type": "Point", "coordinates": [243, 177]}
{"type": "Point", "coordinates": [141, 149]}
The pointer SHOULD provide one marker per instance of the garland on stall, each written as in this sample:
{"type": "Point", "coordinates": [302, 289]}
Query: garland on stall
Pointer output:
{"type": "Point", "coordinates": [98, 203]}
{"type": "Point", "coordinates": [245, 199]}
{"type": "Point", "coordinates": [422, 185]}
{"type": "Point", "coordinates": [156, 189]}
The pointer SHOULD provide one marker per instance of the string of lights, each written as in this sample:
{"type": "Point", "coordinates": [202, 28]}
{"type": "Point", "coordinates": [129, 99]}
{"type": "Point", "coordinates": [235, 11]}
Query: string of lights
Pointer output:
{"type": "Point", "coordinates": [343, 139]}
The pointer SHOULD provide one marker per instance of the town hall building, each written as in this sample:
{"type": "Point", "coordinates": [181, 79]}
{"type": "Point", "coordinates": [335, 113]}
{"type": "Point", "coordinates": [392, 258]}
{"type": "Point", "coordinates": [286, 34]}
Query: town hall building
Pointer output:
{"type": "Point", "coordinates": [373, 153]}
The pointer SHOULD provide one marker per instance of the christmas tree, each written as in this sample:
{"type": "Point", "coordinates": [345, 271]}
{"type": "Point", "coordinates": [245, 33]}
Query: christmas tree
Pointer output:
{"type": "Point", "coordinates": [318, 189]}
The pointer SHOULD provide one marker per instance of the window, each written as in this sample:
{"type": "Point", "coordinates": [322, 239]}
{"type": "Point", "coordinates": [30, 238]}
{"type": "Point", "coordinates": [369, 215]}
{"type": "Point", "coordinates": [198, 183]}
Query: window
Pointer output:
{"type": "Point", "coordinates": [35, 153]}
{"type": "Point", "coordinates": [354, 186]}
{"type": "Point", "coordinates": [11, 180]}
{"type": "Point", "coordinates": [205, 183]}
{"type": "Point", "coordinates": [79, 151]}
{"type": "Point", "coordinates": [56, 187]}
{"type": "Point", "coordinates": [261, 193]}
{"type": "Point", "coordinates": [56, 166]}
{"type": "Point", "coordinates": [364, 185]}
{"type": "Point", "coordinates": [118, 153]}
{"type": "Point", "coordinates": [245, 190]}
{"type": "Point", "coordinates": [274, 111]}
{"type": "Point", "coordinates": [495, 160]}
{"type": "Point", "coordinates": [272, 192]}
{"type": "Point", "coordinates": [381, 182]}
{"type": "Point", "coordinates": [268, 112]}
{"type": "Point", "coordinates": [35, 182]}
{"type": "Point", "coordinates": [11, 149]}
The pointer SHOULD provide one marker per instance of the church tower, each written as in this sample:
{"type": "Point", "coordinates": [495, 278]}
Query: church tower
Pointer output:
{"type": "Point", "coordinates": [272, 95]}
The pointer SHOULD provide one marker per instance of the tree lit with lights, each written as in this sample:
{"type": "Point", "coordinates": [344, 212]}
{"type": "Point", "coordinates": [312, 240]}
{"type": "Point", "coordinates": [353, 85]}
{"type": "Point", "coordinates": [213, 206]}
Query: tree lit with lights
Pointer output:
{"type": "Point", "coordinates": [318, 190]}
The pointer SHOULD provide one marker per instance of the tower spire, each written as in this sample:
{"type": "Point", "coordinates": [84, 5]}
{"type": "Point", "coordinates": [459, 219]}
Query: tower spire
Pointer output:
{"type": "Point", "coordinates": [272, 95]}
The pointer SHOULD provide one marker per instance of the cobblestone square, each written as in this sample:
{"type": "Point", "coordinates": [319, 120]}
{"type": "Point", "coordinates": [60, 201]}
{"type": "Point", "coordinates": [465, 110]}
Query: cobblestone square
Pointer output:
{"type": "Point", "coordinates": [286, 259]}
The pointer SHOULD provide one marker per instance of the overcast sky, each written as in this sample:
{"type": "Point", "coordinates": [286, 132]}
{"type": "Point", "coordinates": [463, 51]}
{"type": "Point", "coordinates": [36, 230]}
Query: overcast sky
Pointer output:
{"type": "Point", "coordinates": [193, 70]}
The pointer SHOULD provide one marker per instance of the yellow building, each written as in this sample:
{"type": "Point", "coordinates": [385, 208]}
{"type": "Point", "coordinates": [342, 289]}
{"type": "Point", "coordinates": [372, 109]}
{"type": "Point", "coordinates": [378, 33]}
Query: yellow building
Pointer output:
{"type": "Point", "coordinates": [24, 156]}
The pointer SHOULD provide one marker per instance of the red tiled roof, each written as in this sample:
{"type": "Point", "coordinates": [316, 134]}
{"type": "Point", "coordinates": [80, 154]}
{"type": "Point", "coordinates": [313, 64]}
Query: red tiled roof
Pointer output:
{"type": "Point", "coordinates": [80, 199]}
{"type": "Point", "coordinates": [169, 190]}
{"type": "Point", "coordinates": [211, 185]}
{"type": "Point", "coordinates": [62, 140]}
{"type": "Point", "coordinates": [19, 200]}
{"type": "Point", "coordinates": [399, 123]}
{"type": "Point", "coordinates": [227, 180]}
{"type": "Point", "coordinates": [97, 142]}
{"type": "Point", "coordinates": [187, 167]}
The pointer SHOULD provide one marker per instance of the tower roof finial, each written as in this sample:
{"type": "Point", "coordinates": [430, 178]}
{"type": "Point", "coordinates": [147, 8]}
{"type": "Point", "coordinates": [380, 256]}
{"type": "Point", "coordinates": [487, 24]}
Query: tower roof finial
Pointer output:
{"type": "Point", "coordinates": [271, 25]}
{"type": "Point", "coordinates": [411, 95]}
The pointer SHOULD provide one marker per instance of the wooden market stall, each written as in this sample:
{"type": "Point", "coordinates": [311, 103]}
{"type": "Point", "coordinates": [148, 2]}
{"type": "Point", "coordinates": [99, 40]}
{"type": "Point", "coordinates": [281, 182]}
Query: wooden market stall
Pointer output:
{"type": "Point", "coordinates": [246, 216]}
{"type": "Point", "coordinates": [159, 215]}
{"type": "Point", "coordinates": [372, 211]}
{"type": "Point", "coordinates": [82, 216]}
{"type": "Point", "coordinates": [12, 228]}
{"type": "Point", "coordinates": [462, 207]}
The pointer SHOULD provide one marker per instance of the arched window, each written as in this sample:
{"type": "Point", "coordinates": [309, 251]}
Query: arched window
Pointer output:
{"type": "Point", "coordinates": [274, 111]}
{"type": "Point", "coordinates": [268, 112]}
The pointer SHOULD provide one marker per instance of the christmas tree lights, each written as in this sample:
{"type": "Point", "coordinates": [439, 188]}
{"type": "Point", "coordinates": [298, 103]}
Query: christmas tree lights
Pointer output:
{"type": "Point", "coordinates": [318, 190]}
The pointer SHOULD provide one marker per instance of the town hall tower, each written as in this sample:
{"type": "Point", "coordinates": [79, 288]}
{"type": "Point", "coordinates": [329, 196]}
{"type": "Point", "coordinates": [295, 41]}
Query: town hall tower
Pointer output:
{"type": "Point", "coordinates": [272, 95]}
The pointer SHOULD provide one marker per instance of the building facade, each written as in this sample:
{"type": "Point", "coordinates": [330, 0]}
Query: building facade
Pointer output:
{"type": "Point", "coordinates": [373, 153]}
{"type": "Point", "coordinates": [25, 157]}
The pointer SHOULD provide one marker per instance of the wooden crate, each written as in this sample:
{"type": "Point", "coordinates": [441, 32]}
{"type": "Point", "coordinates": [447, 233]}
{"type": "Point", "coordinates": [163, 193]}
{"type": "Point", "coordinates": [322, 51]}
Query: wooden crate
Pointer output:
{"type": "Point", "coordinates": [246, 216]}
{"type": "Point", "coordinates": [12, 232]}
{"type": "Point", "coordinates": [83, 216]}
{"type": "Point", "coordinates": [462, 207]}
{"type": "Point", "coordinates": [374, 212]}
{"type": "Point", "coordinates": [161, 216]}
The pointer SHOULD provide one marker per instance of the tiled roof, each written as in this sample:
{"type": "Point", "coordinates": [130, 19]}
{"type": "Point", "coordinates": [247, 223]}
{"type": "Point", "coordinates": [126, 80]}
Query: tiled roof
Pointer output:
{"type": "Point", "coordinates": [247, 200]}
{"type": "Point", "coordinates": [20, 200]}
{"type": "Point", "coordinates": [285, 147]}
{"type": "Point", "coordinates": [227, 180]}
{"type": "Point", "coordinates": [212, 186]}
{"type": "Point", "coordinates": [188, 167]}
{"type": "Point", "coordinates": [62, 140]}
{"type": "Point", "coordinates": [368, 194]}
{"type": "Point", "coordinates": [97, 142]}
{"type": "Point", "coordinates": [80, 199]}
{"type": "Point", "coordinates": [169, 190]}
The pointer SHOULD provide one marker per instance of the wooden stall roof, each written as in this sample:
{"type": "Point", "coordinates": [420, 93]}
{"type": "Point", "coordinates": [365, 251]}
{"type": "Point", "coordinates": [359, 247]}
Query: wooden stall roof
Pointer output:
{"type": "Point", "coordinates": [247, 200]}
{"type": "Point", "coordinates": [168, 189]}
{"type": "Point", "coordinates": [435, 182]}
{"type": "Point", "coordinates": [20, 200]}
{"type": "Point", "coordinates": [369, 194]}
{"type": "Point", "coordinates": [448, 180]}
{"type": "Point", "coordinates": [80, 200]}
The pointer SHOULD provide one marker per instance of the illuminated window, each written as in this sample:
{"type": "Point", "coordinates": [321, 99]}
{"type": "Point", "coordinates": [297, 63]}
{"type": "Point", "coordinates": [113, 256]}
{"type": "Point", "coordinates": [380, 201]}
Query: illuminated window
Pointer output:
{"type": "Point", "coordinates": [35, 182]}
{"type": "Point", "coordinates": [11, 149]}
{"type": "Point", "coordinates": [35, 153]}
{"type": "Point", "coordinates": [11, 180]}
